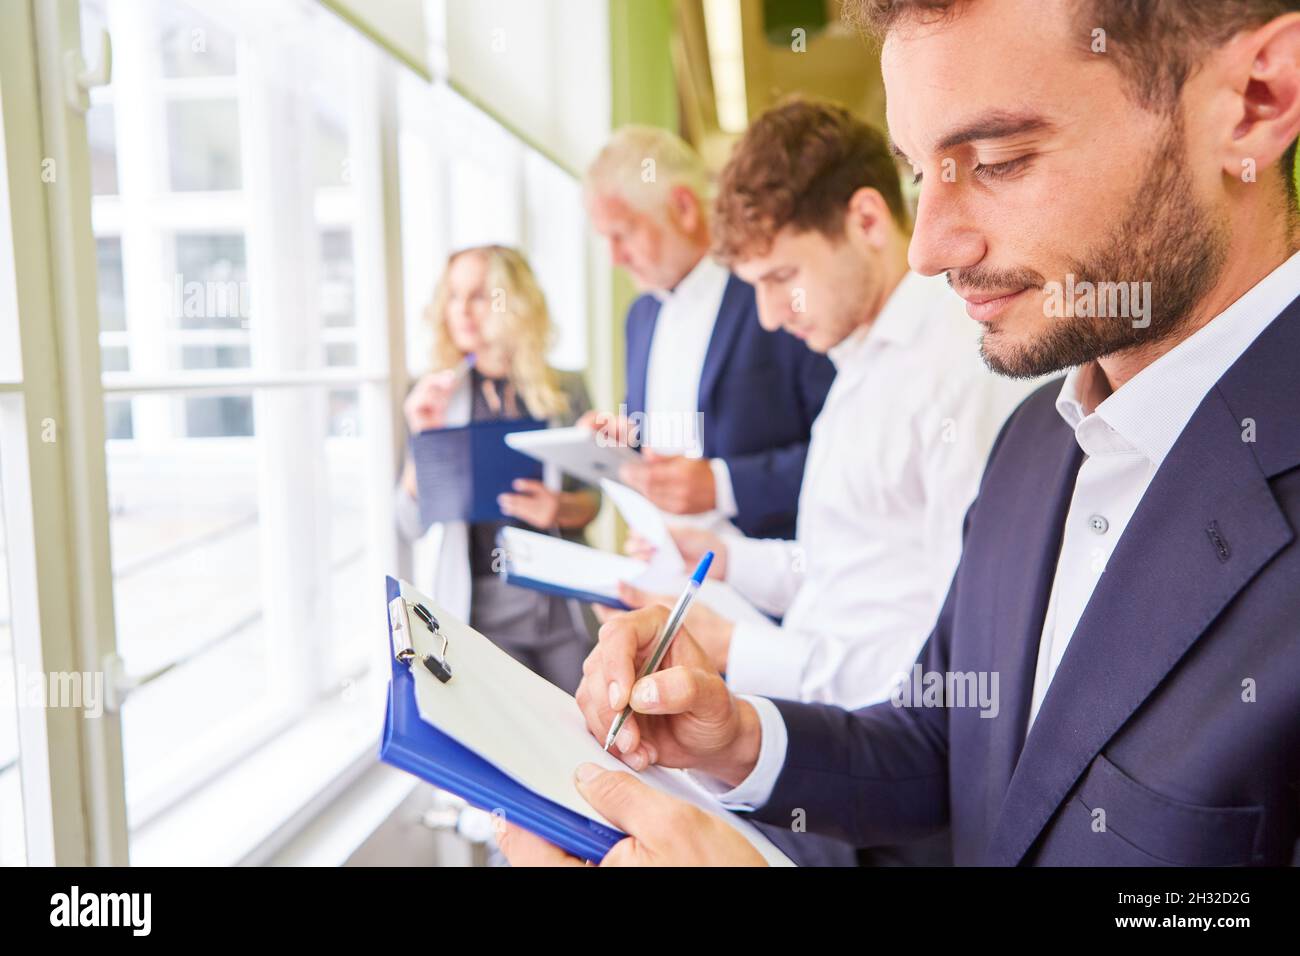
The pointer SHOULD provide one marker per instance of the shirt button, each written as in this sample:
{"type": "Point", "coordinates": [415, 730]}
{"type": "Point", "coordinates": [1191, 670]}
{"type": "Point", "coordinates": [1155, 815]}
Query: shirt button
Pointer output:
{"type": "Point", "coordinates": [1098, 524]}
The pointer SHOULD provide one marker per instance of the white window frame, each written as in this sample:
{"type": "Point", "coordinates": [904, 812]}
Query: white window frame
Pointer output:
{"type": "Point", "coordinates": [72, 769]}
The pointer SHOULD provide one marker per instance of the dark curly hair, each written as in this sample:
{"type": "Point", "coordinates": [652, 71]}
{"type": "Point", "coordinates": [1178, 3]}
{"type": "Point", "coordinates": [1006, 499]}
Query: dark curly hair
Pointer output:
{"type": "Point", "coordinates": [798, 165]}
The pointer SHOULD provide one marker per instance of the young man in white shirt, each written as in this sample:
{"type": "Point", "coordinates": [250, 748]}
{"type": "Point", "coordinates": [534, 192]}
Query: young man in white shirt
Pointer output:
{"type": "Point", "coordinates": [810, 212]}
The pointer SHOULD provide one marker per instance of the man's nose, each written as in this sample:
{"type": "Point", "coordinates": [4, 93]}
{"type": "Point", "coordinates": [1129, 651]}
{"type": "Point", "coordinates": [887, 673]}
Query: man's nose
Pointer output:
{"type": "Point", "coordinates": [770, 317]}
{"type": "Point", "coordinates": [944, 237]}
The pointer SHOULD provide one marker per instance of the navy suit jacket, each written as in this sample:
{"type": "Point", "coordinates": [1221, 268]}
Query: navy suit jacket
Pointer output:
{"type": "Point", "coordinates": [1145, 718]}
{"type": "Point", "coordinates": [759, 393]}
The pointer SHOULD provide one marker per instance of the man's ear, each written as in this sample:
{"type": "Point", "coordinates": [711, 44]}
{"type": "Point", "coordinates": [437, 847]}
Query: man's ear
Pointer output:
{"type": "Point", "coordinates": [684, 207]}
{"type": "Point", "coordinates": [1270, 101]}
{"type": "Point", "coordinates": [868, 218]}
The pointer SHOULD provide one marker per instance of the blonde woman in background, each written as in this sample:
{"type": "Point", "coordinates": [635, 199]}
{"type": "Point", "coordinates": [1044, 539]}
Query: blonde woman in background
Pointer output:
{"type": "Point", "coordinates": [488, 305]}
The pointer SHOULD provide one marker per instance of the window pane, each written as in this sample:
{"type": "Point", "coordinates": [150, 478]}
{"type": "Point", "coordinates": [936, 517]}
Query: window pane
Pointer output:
{"type": "Point", "coordinates": [191, 45]}
{"type": "Point", "coordinates": [117, 419]}
{"type": "Point", "coordinates": [349, 591]}
{"type": "Point", "coordinates": [185, 532]}
{"type": "Point", "coordinates": [336, 285]}
{"type": "Point", "coordinates": [112, 296]}
{"type": "Point", "coordinates": [215, 356]}
{"type": "Point", "coordinates": [210, 288]}
{"type": "Point", "coordinates": [218, 417]}
{"type": "Point", "coordinates": [103, 149]}
{"type": "Point", "coordinates": [242, 517]}
{"type": "Point", "coordinates": [203, 140]}
{"type": "Point", "coordinates": [12, 837]}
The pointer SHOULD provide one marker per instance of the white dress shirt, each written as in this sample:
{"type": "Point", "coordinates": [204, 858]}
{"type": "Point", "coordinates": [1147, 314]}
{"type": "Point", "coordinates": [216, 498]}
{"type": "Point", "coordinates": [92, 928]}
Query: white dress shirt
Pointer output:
{"type": "Point", "coordinates": [894, 461]}
{"type": "Point", "coordinates": [683, 329]}
{"type": "Point", "coordinates": [1126, 439]}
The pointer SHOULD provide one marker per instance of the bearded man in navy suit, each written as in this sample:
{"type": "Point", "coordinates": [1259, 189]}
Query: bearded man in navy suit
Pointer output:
{"type": "Point", "coordinates": [1114, 678]}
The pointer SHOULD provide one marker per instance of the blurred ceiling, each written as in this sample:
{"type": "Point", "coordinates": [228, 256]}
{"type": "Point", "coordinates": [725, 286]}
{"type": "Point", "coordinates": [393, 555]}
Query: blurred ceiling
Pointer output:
{"type": "Point", "coordinates": [735, 58]}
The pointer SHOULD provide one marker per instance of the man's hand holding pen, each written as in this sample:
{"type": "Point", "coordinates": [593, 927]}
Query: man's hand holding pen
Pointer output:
{"type": "Point", "coordinates": [684, 716]}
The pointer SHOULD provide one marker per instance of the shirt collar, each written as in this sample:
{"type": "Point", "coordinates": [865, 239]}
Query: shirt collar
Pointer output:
{"type": "Point", "coordinates": [701, 278]}
{"type": "Point", "coordinates": [899, 322]}
{"type": "Point", "coordinates": [1151, 410]}
{"type": "Point", "coordinates": [900, 317]}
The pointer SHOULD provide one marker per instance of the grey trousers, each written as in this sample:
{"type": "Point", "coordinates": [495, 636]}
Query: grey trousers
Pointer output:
{"type": "Point", "coordinates": [541, 631]}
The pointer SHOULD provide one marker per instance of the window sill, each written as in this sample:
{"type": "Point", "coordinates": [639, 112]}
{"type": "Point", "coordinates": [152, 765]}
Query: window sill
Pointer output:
{"type": "Point", "coordinates": [272, 795]}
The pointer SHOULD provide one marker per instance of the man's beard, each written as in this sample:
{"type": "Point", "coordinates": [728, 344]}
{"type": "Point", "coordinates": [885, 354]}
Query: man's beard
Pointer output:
{"type": "Point", "coordinates": [1164, 237]}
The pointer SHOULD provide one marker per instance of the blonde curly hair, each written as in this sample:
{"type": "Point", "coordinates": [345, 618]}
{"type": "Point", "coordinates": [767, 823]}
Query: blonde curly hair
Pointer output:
{"type": "Point", "coordinates": [518, 321]}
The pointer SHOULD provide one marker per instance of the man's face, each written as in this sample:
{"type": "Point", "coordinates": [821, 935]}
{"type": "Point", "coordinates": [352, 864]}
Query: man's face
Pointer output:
{"type": "Point", "coordinates": [1038, 172]}
{"type": "Point", "coordinates": [816, 289]}
{"type": "Point", "coordinates": [648, 248]}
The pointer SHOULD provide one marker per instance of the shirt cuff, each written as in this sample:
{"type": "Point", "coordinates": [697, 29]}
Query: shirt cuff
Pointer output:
{"type": "Point", "coordinates": [756, 789]}
{"type": "Point", "coordinates": [763, 571]}
{"type": "Point", "coordinates": [765, 659]}
{"type": "Point", "coordinates": [724, 496]}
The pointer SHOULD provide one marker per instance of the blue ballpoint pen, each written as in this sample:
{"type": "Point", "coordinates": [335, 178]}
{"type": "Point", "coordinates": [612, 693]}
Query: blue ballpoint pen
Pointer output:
{"type": "Point", "coordinates": [674, 625]}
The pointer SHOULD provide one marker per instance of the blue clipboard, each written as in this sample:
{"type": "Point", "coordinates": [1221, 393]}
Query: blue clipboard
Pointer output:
{"type": "Point", "coordinates": [419, 748]}
{"type": "Point", "coordinates": [459, 472]}
{"type": "Point", "coordinates": [546, 587]}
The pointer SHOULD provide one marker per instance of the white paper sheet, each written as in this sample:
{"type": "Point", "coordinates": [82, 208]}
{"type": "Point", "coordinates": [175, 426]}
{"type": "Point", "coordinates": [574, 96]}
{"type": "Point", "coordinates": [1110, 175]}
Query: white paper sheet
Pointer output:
{"type": "Point", "coordinates": [574, 450]}
{"type": "Point", "coordinates": [643, 517]}
{"type": "Point", "coordinates": [528, 727]}
{"type": "Point", "coordinates": [578, 567]}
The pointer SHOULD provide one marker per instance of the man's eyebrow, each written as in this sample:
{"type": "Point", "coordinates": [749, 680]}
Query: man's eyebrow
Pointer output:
{"type": "Point", "coordinates": [995, 125]}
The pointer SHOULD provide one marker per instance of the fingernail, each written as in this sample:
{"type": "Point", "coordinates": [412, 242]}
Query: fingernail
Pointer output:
{"type": "Point", "coordinates": [615, 694]}
{"type": "Point", "coordinates": [587, 772]}
{"type": "Point", "coordinates": [636, 761]}
{"type": "Point", "coordinates": [646, 693]}
{"type": "Point", "coordinates": [624, 740]}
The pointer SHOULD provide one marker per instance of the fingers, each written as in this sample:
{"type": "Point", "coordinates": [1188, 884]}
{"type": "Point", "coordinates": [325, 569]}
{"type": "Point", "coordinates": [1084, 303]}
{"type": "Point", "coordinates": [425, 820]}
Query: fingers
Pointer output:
{"type": "Point", "coordinates": [530, 486]}
{"type": "Point", "coordinates": [624, 643]}
{"type": "Point", "coordinates": [638, 547]}
{"type": "Point", "coordinates": [635, 597]}
{"type": "Point", "coordinates": [522, 848]}
{"type": "Point", "coordinates": [680, 690]}
{"type": "Point", "coordinates": [632, 596]}
{"type": "Point", "coordinates": [603, 614]}
{"type": "Point", "coordinates": [532, 502]}
{"type": "Point", "coordinates": [636, 476]}
{"type": "Point", "coordinates": [648, 816]}
{"type": "Point", "coordinates": [692, 542]}
{"type": "Point", "coordinates": [608, 675]}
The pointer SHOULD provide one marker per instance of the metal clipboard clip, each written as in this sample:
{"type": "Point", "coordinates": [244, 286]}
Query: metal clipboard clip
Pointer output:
{"type": "Point", "coordinates": [404, 645]}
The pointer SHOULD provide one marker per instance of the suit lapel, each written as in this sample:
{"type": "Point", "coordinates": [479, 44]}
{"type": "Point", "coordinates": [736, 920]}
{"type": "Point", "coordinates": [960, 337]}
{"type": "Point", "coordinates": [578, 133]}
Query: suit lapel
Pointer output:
{"type": "Point", "coordinates": [640, 333]}
{"type": "Point", "coordinates": [731, 315]}
{"type": "Point", "coordinates": [1206, 525]}
{"type": "Point", "coordinates": [1023, 572]}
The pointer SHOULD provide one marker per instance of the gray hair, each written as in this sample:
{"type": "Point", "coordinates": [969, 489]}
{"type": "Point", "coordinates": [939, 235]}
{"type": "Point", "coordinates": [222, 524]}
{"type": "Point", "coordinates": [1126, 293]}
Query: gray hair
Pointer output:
{"type": "Point", "coordinates": [640, 164]}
